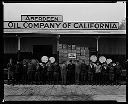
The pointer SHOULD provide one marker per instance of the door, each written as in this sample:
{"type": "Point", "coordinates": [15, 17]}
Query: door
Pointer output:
{"type": "Point", "coordinates": [42, 50]}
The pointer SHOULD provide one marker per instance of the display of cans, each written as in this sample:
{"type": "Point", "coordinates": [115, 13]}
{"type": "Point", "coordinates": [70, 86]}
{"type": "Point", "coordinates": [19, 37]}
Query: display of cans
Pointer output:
{"type": "Point", "coordinates": [60, 46]}
{"type": "Point", "coordinates": [77, 48]}
{"type": "Point", "coordinates": [73, 51]}
{"type": "Point", "coordinates": [69, 51]}
{"type": "Point", "coordinates": [64, 46]}
{"type": "Point", "coordinates": [65, 51]}
{"type": "Point", "coordinates": [73, 47]}
{"type": "Point", "coordinates": [86, 48]}
{"type": "Point", "coordinates": [69, 47]}
{"type": "Point", "coordinates": [82, 48]}
{"type": "Point", "coordinates": [65, 55]}
{"type": "Point", "coordinates": [87, 52]}
{"type": "Point", "coordinates": [78, 54]}
{"type": "Point", "coordinates": [82, 57]}
{"type": "Point", "coordinates": [82, 53]}
{"type": "Point", "coordinates": [77, 51]}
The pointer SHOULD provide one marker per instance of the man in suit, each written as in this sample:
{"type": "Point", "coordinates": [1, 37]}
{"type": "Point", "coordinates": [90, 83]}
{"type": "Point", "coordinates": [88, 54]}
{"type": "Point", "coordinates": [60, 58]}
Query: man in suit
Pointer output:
{"type": "Point", "coordinates": [31, 72]}
{"type": "Point", "coordinates": [18, 72]}
{"type": "Point", "coordinates": [56, 69]}
{"type": "Point", "coordinates": [64, 72]}
{"type": "Point", "coordinates": [71, 72]}
{"type": "Point", "coordinates": [118, 72]}
{"type": "Point", "coordinates": [11, 71]}
{"type": "Point", "coordinates": [77, 71]}
{"type": "Point", "coordinates": [24, 68]}
{"type": "Point", "coordinates": [50, 72]}
{"type": "Point", "coordinates": [43, 73]}
{"type": "Point", "coordinates": [84, 72]}
{"type": "Point", "coordinates": [111, 73]}
{"type": "Point", "coordinates": [91, 73]}
{"type": "Point", "coordinates": [98, 73]}
{"type": "Point", "coordinates": [104, 73]}
{"type": "Point", "coordinates": [38, 74]}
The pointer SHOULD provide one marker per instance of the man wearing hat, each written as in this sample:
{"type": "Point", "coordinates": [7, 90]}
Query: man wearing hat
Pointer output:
{"type": "Point", "coordinates": [98, 73]}
{"type": "Point", "coordinates": [63, 69]}
{"type": "Point", "coordinates": [104, 73]}
{"type": "Point", "coordinates": [71, 72]}
{"type": "Point", "coordinates": [91, 73]}
{"type": "Point", "coordinates": [77, 71]}
{"type": "Point", "coordinates": [84, 72]}
{"type": "Point", "coordinates": [118, 72]}
{"type": "Point", "coordinates": [11, 71]}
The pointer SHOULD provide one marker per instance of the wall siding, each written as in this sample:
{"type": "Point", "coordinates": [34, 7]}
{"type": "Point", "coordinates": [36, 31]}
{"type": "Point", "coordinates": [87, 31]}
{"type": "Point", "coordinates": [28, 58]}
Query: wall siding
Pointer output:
{"type": "Point", "coordinates": [112, 46]}
{"type": "Point", "coordinates": [10, 45]}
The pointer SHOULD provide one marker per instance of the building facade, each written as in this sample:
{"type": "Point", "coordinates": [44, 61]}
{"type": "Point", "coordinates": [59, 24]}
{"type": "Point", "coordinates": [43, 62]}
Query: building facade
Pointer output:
{"type": "Point", "coordinates": [35, 44]}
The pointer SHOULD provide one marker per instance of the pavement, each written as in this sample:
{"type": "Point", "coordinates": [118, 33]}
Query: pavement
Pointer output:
{"type": "Point", "coordinates": [64, 92]}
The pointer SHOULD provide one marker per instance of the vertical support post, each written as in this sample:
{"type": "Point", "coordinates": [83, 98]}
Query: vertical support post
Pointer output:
{"type": "Point", "coordinates": [18, 43]}
{"type": "Point", "coordinates": [18, 54]}
{"type": "Point", "coordinates": [58, 36]}
{"type": "Point", "coordinates": [97, 45]}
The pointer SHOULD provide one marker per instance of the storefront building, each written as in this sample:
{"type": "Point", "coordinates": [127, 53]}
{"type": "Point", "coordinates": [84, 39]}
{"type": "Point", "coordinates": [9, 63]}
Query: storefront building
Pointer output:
{"type": "Point", "coordinates": [38, 43]}
{"type": "Point", "coordinates": [65, 31]}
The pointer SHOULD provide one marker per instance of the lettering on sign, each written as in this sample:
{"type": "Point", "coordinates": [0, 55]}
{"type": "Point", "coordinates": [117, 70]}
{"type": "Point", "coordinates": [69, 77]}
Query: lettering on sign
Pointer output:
{"type": "Point", "coordinates": [43, 18]}
{"type": "Point", "coordinates": [71, 55]}
{"type": "Point", "coordinates": [61, 25]}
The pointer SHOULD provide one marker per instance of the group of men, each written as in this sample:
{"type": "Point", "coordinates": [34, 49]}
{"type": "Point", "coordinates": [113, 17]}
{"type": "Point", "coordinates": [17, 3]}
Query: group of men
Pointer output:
{"type": "Point", "coordinates": [94, 73]}
{"type": "Point", "coordinates": [73, 72]}
{"type": "Point", "coordinates": [32, 72]}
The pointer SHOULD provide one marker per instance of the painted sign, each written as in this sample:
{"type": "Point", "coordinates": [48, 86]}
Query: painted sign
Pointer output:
{"type": "Point", "coordinates": [43, 18]}
{"type": "Point", "coordinates": [71, 55]}
{"type": "Point", "coordinates": [61, 25]}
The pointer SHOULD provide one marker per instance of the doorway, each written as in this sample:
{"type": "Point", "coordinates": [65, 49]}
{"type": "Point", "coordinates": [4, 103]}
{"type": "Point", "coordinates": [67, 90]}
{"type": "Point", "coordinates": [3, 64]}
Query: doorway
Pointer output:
{"type": "Point", "coordinates": [42, 50]}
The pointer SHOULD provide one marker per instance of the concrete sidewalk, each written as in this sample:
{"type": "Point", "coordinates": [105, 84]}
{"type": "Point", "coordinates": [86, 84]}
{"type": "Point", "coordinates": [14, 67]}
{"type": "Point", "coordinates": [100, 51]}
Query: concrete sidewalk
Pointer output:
{"type": "Point", "coordinates": [65, 93]}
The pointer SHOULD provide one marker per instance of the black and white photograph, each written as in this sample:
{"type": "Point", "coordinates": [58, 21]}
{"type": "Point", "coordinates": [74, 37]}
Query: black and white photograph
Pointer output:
{"type": "Point", "coordinates": [64, 51]}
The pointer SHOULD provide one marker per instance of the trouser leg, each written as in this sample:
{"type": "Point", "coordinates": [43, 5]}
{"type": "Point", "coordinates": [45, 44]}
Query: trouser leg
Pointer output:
{"type": "Point", "coordinates": [49, 77]}
{"type": "Point", "coordinates": [117, 78]}
{"type": "Point", "coordinates": [76, 77]}
{"type": "Point", "coordinates": [96, 78]}
{"type": "Point", "coordinates": [111, 78]}
{"type": "Point", "coordinates": [12, 77]}
{"type": "Point", "coordinates": [99, 78]}
{"type": "Point", "coordinates": [57, 78]}
{"type": "Point", "coordinates": [36, 77]}
{"type": "Point", "coordinates": [8, 77]}
{"type": "Point", "coordinates": [54, 77]}
{"type": "Point", "coordinates": [82, 77]}
{"type": "Point", "coordinates": [64, 79]}
{"type": "Point", "coordinates": [104, 79]}
{"type": "Point", "coordinates": [85, 77]}
{"type": "Point", "coordinates": [90, 78]}
{"type": "Point", "coordinates": [16, 77]}
{"type": "Point", "coordinates": [30, 75]}
{"type": "Point", "coordinates": [24, 77]}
